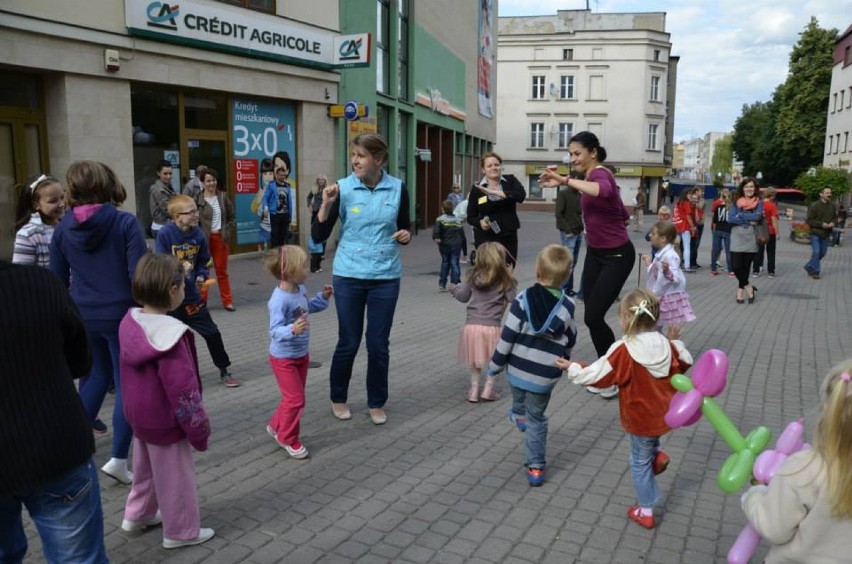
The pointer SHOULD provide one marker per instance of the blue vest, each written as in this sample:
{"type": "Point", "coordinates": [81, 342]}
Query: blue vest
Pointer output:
{"type": "Point", "coordinates": [367, 221]}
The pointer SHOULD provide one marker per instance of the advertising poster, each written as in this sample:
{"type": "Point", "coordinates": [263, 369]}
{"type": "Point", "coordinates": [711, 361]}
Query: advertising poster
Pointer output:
{"type": "Point", "coordinates": [485, 61]}
{"type": "Point", "coordinates": [260, 129]}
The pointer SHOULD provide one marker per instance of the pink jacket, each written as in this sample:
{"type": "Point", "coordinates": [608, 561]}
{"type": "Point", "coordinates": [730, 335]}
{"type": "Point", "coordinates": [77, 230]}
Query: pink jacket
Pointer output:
{"type": "Point", "coordinates": [160, 384]}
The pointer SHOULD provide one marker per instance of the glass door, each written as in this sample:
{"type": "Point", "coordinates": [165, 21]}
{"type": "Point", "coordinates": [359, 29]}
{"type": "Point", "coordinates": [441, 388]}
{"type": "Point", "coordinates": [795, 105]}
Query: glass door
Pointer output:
{"type": "Point", "coordinates": [21, 150]}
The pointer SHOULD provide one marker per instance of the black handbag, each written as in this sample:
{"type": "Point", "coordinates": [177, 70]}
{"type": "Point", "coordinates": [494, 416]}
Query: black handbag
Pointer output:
{"type": "Point", "coordinates": [761, 232]}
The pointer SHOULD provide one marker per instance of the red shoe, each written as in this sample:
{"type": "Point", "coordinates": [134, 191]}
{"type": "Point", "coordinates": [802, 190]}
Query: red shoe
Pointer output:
{"type": "Point", "coordinates": [661, 462]}
{"type": "Point", "coordinates": [635, 513]}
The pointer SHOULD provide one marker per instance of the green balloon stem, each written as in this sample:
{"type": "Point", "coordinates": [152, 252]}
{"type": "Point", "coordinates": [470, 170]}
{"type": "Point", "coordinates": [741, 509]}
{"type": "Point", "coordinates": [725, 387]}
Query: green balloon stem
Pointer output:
{"type": "Point", "coordinates": [723, 424]}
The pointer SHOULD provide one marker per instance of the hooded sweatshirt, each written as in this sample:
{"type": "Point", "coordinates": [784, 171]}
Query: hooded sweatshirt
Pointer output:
{"type": "Point", "coordinates": [94, 252]}
{"type": "Point", "coordinates": [190, 248]}
{"type": "Point", "coordinates": [159, 380]}
{"type": "Point", "coordinates": [641, 366]}
{"type": "Point", "coordinates": [539, 328]}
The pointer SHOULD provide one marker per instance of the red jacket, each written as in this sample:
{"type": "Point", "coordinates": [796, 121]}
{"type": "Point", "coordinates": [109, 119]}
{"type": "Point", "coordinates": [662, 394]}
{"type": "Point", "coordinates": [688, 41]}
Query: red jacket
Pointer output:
{"type": "Point", "coordinates": [684, 216]}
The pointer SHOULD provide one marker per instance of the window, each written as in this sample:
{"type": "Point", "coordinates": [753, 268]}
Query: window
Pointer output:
{"type": "Point", "coordinates": [596, 87]}
{"type": "Point", "coordinates": [382, 46]}
{"type": "Point", "coordinates": [655, 89]}
{"type": "Point", "coordinates": [849, 101]}
{"type": "Point", "coordinates": [656, 54]}
{"type": "Point", "coordinates": [566, 131]}
{"type": "Point", "coordinates": [567, 54]}
{"type": "Point", "coordinates": [653, 129]}
{"type": "Point", "coordinates": [845, 141]}
{"type": "Point", "coordinates": [566, 87]}
{"type": "Point", "coordinates": [830, 144]}
{"type": "Point", "coordinates": [834, 103]}
{"type": "Point", "coordinates": [842, 93]}
{"type": "Point", "coordinates": [402, 67]}
{"type": "Point", "coordinates": [537, 135]}
{"type": "Point", "coordinates": [538, 87]}
{"type": "Point", "coordinates": [259, 5]}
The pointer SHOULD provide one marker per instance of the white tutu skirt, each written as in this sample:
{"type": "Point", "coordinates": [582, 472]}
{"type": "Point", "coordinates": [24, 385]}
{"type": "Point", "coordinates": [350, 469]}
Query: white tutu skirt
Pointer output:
{"type": "Point", "coordinates": [477, 344]}
{"type": "Point", "coordinates": [675, 309]}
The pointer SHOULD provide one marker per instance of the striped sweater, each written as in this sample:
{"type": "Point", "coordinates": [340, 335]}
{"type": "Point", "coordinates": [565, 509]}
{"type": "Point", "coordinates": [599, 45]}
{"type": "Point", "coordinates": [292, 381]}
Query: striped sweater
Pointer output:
{"type": "Point", "coordinates": [539, 328]}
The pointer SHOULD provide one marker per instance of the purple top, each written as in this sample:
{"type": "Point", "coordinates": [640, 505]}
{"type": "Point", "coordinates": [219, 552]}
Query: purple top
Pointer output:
{"type": "Point", "coordinates": [604, 215]}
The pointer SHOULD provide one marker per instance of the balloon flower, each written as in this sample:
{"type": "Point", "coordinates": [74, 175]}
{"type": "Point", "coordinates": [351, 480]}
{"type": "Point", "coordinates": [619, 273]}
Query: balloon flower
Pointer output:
{"type": "Point", "coordinates": [695, 397]}
{"type": "Point", "coordinates": [765, 467]}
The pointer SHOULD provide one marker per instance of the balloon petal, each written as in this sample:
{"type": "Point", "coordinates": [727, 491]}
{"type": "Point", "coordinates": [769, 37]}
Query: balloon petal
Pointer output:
{"type": "Point", "coordinates": [709, 374]}
{"type": "Point", "coordinates": [683, 408]}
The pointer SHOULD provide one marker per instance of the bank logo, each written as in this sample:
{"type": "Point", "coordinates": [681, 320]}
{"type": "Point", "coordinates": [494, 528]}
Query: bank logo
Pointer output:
{"type": "Point", "coordinates": [162, 15]}
{"type": "Point", "coordinates": [350, 49]}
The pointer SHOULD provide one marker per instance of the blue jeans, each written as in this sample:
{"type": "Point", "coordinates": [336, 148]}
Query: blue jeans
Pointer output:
{"type": "Point", "coordinates": [642, 452]}
{"type": "Point", "coordinates": [105, 353]}
{"type": "Point", "coordinates": [67, 513]}
{"type": "Point", "coordinates": [449, 265]}
{"type": "Point", "coordinates": [573, 243]}
{"type": "Point", "coordinates": [353, 296]}
{"type": "Point", "coordinates": [721, 239]}
{"type": "Point", "coordinates": [532, 405]}
{"type": "Point", "coordinates": [819, 246]}
{"type": "Point", "coordinates": [686, 248]}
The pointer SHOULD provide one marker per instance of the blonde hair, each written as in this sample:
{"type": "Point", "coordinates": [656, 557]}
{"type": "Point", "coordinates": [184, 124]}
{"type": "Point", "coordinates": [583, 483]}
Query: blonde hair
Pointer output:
{"type": "Point", "coordinates": [833, 437]}
{"type": "Point", "coordinates": [553, 265]}
{"type": "Point", "coordinates": [664, 209]}
{"type": "Point", "coordinates": [286, 261]}
{"type": "Point", "coordinates": [642, 308]}
{"type": "Point", "coordinates": [490, 270]}
{"type": "Point", "coordinates": [178, 202]}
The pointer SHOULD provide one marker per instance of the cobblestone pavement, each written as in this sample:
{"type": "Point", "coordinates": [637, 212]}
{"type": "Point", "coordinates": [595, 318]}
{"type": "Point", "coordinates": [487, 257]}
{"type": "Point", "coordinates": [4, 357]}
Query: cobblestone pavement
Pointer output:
{"type": "Point", "coordinates": [443, 480]}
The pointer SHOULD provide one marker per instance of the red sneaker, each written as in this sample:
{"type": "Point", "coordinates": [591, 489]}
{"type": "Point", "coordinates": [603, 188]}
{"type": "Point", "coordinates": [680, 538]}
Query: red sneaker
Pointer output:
{"type": "Point", "coordinates": [661, 462]}
{"type": "Point", "coordinates": [635, 513]}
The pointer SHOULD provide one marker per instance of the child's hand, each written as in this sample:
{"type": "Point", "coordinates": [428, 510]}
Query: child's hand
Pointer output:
{"type": "Point", "coordinates": [301, 325]}
{"type": "Point", "coordinates": [673, 332]}
{"type": "Point", "coordinates": [327, 291]}
{"type": "Point", "coordinates": [646, 259]}
{"type": "Point", "coordinates": [563, 363]}
{"type": "Point", "coordinates": [451, 286]}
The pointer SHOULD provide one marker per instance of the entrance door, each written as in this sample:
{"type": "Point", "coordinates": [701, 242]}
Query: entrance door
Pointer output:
{"type": "Point", "coordinates": [212, 153]}
{"type": "Point", "coordinates": [21, 150]}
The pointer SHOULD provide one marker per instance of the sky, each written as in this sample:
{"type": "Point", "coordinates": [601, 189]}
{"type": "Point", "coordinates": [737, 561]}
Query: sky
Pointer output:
{"type": "Point", "coordinates": [732, 52]}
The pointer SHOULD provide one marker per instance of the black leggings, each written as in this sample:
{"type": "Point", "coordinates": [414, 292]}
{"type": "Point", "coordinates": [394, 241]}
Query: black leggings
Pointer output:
{"type": "Point", "coordinates": [604, 273]}
{"type": "Point", "coordinates": [741, 262]}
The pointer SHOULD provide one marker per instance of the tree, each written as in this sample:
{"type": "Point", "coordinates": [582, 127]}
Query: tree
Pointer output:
{"type": "Point", "coordinates": [755, 143]}
{"type": "Point", "coordinates": [814, 180]}
{"type": "Point", "coordinates": [803, 98]}
{"type": "Point", "coordinates": [723, 157]}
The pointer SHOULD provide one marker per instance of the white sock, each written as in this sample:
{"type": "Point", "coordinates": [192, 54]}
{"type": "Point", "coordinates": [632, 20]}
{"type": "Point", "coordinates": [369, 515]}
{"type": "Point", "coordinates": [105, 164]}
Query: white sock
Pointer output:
{"type": "Point", "coordinates": [646, 511]}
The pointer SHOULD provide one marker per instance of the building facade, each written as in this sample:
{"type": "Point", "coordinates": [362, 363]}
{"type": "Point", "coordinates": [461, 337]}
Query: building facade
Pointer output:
{"type": "Point", "coordinates": [611, 74]}
{"type": "Point", "coordinates": [838, 146]}
{"type": "Point", "coordinates": [429, 90]}
{"type": "Point", "coordinates": [227, 83]}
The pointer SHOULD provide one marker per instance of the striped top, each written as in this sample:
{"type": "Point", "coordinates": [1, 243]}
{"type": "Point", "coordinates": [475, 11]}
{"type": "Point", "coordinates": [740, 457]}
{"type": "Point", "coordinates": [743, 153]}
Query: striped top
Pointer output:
{"type": "Point", "coordinates": [216, 222]}
{"type": "Point", "coordinates": [32, 243]}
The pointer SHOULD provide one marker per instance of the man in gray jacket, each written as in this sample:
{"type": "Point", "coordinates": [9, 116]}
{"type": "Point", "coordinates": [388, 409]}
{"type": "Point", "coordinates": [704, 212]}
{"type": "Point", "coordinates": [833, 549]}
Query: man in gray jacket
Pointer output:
{"type": "Point", "coordinates": [569, 222]}
{"type": "Point", "coordinates": [820, 219]}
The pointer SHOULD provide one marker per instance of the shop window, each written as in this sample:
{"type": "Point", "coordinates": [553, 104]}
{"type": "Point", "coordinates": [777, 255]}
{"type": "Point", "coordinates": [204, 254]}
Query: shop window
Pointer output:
{"type": "Point", "coordinates": [156, 135]}
{"type": "Point", "coordinates": [267, 6]}
{"type": "Point", "coordinates": [534, 191]}
{"type": "Point", "coordinates": [206, 111]}
{"type": "Point", "coordinates": [383, 46]}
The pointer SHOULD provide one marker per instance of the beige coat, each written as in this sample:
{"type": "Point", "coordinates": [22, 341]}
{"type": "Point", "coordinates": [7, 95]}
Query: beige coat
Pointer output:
{"type": "Point", "coordinates": [794, 514]}
{"type": "Point", "coordinates": [205, 215]}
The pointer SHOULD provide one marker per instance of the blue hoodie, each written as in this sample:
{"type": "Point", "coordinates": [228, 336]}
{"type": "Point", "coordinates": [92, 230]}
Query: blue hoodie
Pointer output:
{"type": "Point", "coordinates": [189, 247]}
{"type": "Point", "coordinates": [96, 259]}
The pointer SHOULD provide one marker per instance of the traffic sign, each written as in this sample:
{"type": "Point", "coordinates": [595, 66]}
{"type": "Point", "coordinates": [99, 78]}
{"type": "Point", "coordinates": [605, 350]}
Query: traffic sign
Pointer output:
{"type": "Point", "coordinates": [350, 111]}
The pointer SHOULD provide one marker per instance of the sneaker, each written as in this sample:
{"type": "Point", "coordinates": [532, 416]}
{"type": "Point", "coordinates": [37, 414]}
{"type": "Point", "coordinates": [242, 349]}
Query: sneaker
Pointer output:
{"type": "Point", "coordinates": [535, 476]}
{"type": "Point", "coordinates": [635, 513]}
{"type": "Point", "coordinates": [99, 427]}
{"type": "Point", "coordinates": [442, 288]}
{"type": "Point", "coordinates": [689, 270]}
{"type": "Point", "coordinates": [297, 450]}
{"type": "Point", "coordinates": [714, 273]}
{"type": "Point", "coordinates": [815, 275]}
{"type": "Point", "coordinates": [204, 535]}
{"type": "Point", "coordinates": [755, 275]}
{"type": "Point", "coordinates": [118, 471]}
{"type": "Point", "coordinates": [229, 307]}
{"type": "Point", "coordinates": [605, 393]}
{"type": "Point", "coordinates": [314, 364]}
{"type": "Point", "coordinates": [520, 422]}
{"type": "Point", "coordinates": [463, 261]}
{"type": "Point", "coordinates": [723, 269]}
{"type": "Point", "coordinates": [731, 275]}
{"type": "Point", "coordinates": [808, 269]}
{"type": "Point", "coordinates": [228, 380]}
{"type": "Point", "coordinates": [142, 524]}
{"type": "Point", "coordinates": [772, 275]}
{"type": "Point", "coordinates": [661, 462]}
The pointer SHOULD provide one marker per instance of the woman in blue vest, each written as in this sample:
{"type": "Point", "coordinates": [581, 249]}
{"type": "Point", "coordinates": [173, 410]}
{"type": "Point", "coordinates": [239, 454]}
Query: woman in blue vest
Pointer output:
{"type": "Point", "coordinates": [373, 210]}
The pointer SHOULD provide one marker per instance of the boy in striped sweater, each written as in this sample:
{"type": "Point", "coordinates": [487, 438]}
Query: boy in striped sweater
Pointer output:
{"type": "Point", "coordinates": [539, 329]}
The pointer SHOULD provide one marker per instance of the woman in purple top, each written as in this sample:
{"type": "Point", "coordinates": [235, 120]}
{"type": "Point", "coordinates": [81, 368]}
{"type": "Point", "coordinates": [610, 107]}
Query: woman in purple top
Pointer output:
{"type": "Point", "coordinates": [610, 254]}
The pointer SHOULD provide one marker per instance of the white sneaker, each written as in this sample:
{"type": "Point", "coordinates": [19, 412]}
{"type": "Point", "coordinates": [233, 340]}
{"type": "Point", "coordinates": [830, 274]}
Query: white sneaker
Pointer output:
{"type": "Point", "coordinates": [204, 535]}
{"type": "Point", "coordinates": [139, 526]}
{"type": "Point", "coordinates": [117, 470]}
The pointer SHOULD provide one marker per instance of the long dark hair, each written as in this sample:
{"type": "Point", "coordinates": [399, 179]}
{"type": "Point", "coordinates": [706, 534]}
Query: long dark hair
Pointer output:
{"type": "Point", "coordinates": [28, 197]}
{"type": "Point", "coordinates": [590, 141]}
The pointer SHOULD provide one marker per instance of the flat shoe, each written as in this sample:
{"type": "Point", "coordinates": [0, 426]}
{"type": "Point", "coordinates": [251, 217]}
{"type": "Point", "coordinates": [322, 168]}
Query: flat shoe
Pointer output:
{"type": "Point", "coordinates": [341, 411]}
{"type": "Point", "coordinates": [204, 535]}
{"type": "Point", "coordinates": [378, 416]}
{"type": "Point", "coordinates": [142, 524]}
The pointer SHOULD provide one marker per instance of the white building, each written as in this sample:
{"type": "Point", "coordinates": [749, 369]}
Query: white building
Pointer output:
{"type": "Point", "coordinates": [610, 74]}
{"type": "Point", "coordinates": [693, 164]}
{"type": "Point", "coordinates": [708, 149]}
{"type": "Point", "coordinates": [838, 146]}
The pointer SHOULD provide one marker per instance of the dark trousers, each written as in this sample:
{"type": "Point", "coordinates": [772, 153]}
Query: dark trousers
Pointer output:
{"type": "Point", "coordinates": [604, 273]}
{"type": "Point", "coordinates": [693, 246]}
{"type": "Point", "coordinates": [508, 240]}
{"type": "Point", "coordinates": [280, 229]}
{"type": "Point", "coordinates": [742, 266]}
{"type": "Point", "coordinates": [769, 250]}
{"type": "Point", "coordinates": [201, 322]}
{"type": "Point", "coordinates": [356, 298]}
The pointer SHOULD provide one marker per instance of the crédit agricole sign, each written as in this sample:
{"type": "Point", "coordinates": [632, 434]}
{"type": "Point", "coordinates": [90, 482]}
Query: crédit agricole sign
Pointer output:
{"type": "Point", "coordinates": [245, 33]}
